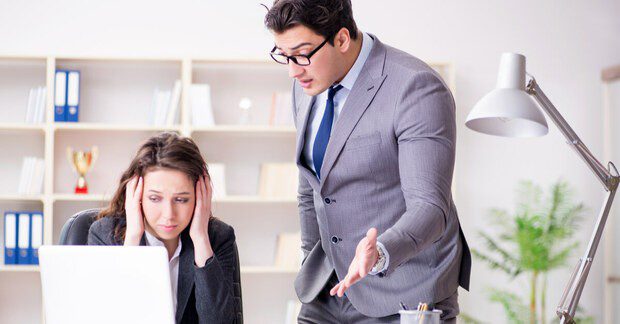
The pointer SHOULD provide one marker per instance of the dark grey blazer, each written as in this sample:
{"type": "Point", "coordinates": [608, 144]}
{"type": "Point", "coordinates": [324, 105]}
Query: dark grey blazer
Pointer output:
{"type": "Point", "coordinates": [205, 295]}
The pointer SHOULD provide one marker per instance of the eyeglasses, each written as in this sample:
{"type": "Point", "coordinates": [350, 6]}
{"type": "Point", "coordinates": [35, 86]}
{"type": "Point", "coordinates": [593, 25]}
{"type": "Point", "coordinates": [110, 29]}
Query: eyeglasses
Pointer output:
{"type": "Point", "coordinates": [302, 60]}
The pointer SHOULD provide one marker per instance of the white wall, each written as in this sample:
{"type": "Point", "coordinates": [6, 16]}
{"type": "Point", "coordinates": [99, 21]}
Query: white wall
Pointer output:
{"type": "Point", "coordinates": [566, 44]}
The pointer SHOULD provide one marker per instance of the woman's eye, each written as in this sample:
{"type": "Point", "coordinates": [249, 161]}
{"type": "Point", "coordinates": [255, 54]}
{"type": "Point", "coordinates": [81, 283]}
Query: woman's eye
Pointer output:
{"type": "Point", "coordinates": [154, 199]}
{"type": "Point", "coordinates": [182, 200]}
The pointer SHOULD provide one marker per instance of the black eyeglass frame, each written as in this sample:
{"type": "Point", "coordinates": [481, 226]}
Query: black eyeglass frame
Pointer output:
{"type": "Point", "coordinates": [294, 57]}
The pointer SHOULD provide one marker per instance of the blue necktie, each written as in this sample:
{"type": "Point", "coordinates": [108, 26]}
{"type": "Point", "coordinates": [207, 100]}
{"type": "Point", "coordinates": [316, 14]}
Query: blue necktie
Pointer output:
{"type": "Point", "coordinates": [322, 136]}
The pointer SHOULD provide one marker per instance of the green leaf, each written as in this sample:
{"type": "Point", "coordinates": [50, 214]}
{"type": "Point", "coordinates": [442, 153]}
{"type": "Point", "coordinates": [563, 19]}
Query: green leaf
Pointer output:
{"type": "Point", "coordinates": [516, 311]}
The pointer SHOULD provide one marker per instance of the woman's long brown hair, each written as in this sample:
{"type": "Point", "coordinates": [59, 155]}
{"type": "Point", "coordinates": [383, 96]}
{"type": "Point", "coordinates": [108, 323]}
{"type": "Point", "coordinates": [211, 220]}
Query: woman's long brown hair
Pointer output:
{"type": "Point", "coordinates": [166, 150]}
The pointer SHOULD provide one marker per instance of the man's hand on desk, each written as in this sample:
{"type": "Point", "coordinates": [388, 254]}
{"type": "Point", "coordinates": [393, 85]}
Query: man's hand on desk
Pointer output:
{"type": "Point", "coordinates": [366, 256]}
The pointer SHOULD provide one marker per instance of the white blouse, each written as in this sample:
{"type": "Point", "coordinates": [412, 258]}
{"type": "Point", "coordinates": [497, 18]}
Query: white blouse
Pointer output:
{"type": "Point", "coordinates": [173, 263]}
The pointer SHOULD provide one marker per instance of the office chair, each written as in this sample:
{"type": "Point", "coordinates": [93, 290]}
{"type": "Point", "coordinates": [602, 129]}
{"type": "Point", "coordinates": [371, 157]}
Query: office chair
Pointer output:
{"type": "Point", "coordinates": [75, 232]}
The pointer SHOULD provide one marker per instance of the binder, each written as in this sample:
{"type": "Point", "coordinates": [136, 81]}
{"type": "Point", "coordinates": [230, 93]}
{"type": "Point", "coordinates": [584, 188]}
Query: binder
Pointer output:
{"type": "Point", "coordinates": [36, 231]}
{"type": "Point", "coordinates": [10, 238]}
{"type": "Point", "coordinates": [73, 96]}
{"type": "Point", "coordinates": [60, 96]}
{"type": "Point", "coordinates": [23, 238]}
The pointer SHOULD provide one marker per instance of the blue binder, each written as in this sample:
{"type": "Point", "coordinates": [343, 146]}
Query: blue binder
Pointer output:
{"type": "Point", "coordinates": [73, 96]}
{"type": "Point", "coordinates": [23, 238]}
{"type": "Point", "coordinates": [36, 236]}
{"type": "Point", "coordinates": [60, 96]}
{"type": "Point", "coordinates": [10, 238]}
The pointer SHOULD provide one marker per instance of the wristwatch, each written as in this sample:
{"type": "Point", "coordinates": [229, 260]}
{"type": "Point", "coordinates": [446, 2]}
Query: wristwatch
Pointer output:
{"type": "Point", "coordinates": [380, 261]}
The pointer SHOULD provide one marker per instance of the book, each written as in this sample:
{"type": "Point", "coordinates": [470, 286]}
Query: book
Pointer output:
{"type": "Point", "coordinates": [173, 106]}
{"type": "Point", "coordinates": [165, 105]}
{"type": "Point", "coordinates": [21, 188]}
{"type": "Point", "coordinates": [26, 175]}
{"type": "Point", "coordinates": [39, 111]}
{"type": "Point", "coordinates": [32, 176]}
{"type": "Point", "coordinates": [217, 172]}
{"type": "Point", "coordinates": [30, 109]}
{"type": "Point", "coordinates": [159, 108]}
{"type": "Point", "coordinates": [288, 251]}
{"type": "Point", "coordinates": [278, 180]}
{"type": "Point", "coordinates": [281, 112]}
{"type": "Point", "coordinates": [200, 105]}
{"type": "Point", "coordinates": [38, 177]}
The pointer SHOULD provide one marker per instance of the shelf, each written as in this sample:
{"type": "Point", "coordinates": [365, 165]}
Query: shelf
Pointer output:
{"type": "Point", "coordinates": [87, 197]}
{"type": "Point", "coordinates": [19, 268]}
{"type": "Point", "coordinates": [246, 129]}
{"type": "Point", "coordinates": [111, 127]}
{"type": "Point", "coordinates": [18, 197]}
{"type": "Point", "coordinates": [22, 127]}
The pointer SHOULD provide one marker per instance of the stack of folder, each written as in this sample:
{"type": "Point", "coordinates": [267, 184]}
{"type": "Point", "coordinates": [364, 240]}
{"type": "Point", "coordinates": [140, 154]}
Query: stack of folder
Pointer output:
{"type": "Point", "coordinates": [35, 112]}
{"type": "Point", "coordinates": [23, 235]}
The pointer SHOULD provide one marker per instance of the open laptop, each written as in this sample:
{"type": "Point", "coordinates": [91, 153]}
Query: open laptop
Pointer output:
{"type": "Point", "coordinates": [106, 284]}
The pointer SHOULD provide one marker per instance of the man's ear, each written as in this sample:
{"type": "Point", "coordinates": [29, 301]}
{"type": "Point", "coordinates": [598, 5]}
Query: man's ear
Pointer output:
{"type": "Point", "coordinates": [342, 40]}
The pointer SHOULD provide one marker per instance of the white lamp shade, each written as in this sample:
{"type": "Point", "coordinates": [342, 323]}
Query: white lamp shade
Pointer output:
{"type": "Point", "coordinates": [508, 110]}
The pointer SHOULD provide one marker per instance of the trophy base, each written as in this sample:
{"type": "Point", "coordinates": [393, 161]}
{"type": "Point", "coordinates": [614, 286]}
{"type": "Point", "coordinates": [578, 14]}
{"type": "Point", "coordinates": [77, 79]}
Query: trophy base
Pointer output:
{"type": "Point", "coordinates": [81, 191]}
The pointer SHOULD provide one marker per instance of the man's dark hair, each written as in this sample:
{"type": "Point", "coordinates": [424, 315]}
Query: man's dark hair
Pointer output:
{"type": "Point", "coordinates": [324, 17]}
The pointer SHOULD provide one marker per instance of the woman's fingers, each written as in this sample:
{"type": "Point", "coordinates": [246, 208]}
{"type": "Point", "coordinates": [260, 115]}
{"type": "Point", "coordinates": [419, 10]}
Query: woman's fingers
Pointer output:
{"type": "Point", "coordinates": [130, 188]}
{"type": "Point", "coordinates": [198, 192]}
{"type": "Point", "coordinates": [139, 189]}
{"type": "Point", "coordinates": [205, 191]}
{"type": "Point", "coordinates": [208, 188]}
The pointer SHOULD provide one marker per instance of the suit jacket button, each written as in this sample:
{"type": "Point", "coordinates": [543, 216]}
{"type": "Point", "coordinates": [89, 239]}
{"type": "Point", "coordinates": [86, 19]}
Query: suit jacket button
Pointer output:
{"type": "Point", "coordinates": [335, 240]}
{"type": "Point", "coordinates": [328, 201]}
{"type": "Point", "coordinates": [381, 274]}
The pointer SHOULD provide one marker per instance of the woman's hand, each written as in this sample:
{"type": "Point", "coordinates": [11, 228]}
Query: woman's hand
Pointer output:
{"type": "Point", "coordinates": [133, 211]}
{"type": "Point", "coordinates": [199, 228]}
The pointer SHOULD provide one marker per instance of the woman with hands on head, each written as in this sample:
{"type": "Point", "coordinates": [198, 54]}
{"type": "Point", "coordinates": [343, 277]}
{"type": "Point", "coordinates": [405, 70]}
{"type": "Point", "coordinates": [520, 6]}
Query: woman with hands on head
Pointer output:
{"type": "Point", "coordinates": [164, 199]}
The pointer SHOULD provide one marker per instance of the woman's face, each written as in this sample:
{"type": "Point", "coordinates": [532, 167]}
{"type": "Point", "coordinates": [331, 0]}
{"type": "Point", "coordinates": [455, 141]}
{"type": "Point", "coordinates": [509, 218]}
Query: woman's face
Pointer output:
{"type": "Point", "coordinates": [168, 201]}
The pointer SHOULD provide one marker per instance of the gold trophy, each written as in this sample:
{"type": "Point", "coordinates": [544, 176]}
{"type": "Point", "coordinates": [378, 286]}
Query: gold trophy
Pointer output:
{"type": "Point", "coordinates": [82, 162]}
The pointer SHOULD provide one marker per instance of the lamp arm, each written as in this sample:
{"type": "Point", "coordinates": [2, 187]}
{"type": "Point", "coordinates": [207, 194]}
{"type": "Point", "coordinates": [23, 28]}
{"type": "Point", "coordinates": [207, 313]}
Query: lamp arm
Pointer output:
{"type": "Point", "coordinates": [572, 292]}
{"type": "Point", "coordinates": [602, 173]}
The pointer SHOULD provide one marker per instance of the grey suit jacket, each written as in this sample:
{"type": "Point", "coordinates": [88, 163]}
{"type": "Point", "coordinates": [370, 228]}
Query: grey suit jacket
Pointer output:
{"type": "Point", "coordinates": [388, 165]}
{"type": "Point", "coordinates": [204, 295]}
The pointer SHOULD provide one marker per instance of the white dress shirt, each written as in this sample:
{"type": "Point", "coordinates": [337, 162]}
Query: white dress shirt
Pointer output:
{"type": "Point", "coordinates": [173, 264]}
{"type": "Point", "coordinates": [318, 110]}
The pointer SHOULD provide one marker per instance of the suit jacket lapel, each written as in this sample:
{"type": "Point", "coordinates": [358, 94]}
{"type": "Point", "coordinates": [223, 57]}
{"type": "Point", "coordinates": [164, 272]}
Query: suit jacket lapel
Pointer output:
{"type": "Point", "coordinates": [366, 86]}
{"type": "Point", "coordinates": [186, 275]}
{"type": "Point", "coordinates": [305, 105]}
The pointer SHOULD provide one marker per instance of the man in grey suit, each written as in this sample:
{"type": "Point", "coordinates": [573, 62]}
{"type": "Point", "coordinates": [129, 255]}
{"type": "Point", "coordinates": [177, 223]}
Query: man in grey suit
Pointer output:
{"type": "Point", "coordinates": [376, 139]}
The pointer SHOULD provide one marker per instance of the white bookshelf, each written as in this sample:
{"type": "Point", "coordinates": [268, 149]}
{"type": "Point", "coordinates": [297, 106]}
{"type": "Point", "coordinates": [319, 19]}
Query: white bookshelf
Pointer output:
{"type": "Point", "coordinates": [115, 103]}
{"type": "Point", "coordinates": [19, 268]}
{"type": "Point", "coordinates": [17, 197]}
{"type": "Point", "coordinates": [21, 127]}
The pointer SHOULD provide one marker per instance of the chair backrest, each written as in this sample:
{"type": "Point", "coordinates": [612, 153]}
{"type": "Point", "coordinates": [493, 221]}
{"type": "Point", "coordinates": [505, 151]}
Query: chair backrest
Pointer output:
{"type": "Point", "coordinates": [75, 232]}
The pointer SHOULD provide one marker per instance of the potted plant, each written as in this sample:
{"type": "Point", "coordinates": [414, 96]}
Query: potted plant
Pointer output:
{"type": "Point", "coordinates": [535, 240]}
